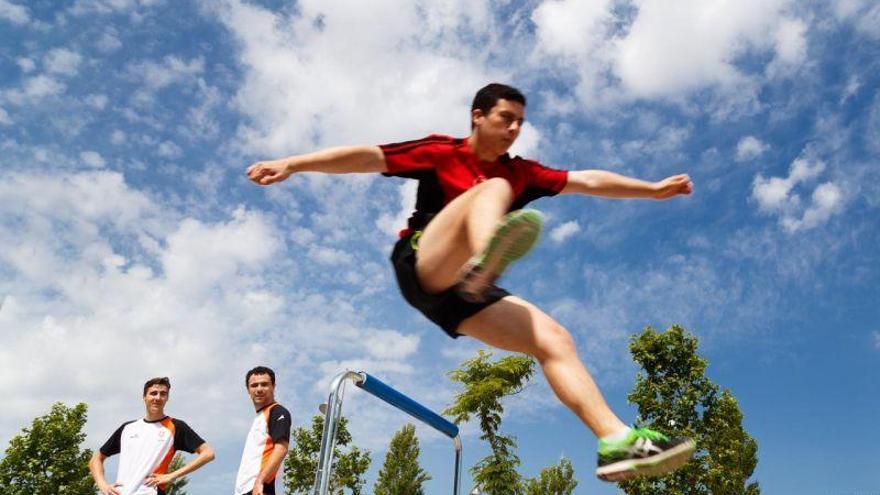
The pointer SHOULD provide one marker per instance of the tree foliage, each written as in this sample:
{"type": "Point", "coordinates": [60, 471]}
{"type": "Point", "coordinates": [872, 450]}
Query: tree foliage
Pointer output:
{"type": "Point", "coordinates": [47, 458]}
{"type": "Point", "coordinates": [485, 384]}
{"type": "Point", "coordinates": [401, 472]}
{"type": "Point", "coordinates": [557, 479]}
{"type": "Point", "coordinates": [301, 464]}
{"type": "Point", "coordinates": [674, 396]}
{"type": "Point", "coordinates": [177, 487]}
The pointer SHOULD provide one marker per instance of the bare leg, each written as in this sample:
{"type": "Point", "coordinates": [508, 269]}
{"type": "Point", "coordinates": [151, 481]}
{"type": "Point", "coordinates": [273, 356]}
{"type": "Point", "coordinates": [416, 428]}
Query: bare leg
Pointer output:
{"type": "Point", "coordinates": [516, 325]}
{"type": "Point", "coordinates": [465, 227]}
{"type": "Point", "coordinates": [461, 229]}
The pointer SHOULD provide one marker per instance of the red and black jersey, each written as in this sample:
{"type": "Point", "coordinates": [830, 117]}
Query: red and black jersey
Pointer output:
{"type": "Point", "coordinates": [446, 167]}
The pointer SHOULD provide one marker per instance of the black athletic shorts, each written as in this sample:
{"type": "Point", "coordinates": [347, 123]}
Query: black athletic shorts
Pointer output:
{"type": "Point", "coordinates": [447, 309]}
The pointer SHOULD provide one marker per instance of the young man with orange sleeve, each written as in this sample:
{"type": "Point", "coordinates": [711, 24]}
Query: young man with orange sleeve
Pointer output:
{"type": "Point", "coordinates": [268, 439]}
{"type": "Point", "coordinates": [146, 447]}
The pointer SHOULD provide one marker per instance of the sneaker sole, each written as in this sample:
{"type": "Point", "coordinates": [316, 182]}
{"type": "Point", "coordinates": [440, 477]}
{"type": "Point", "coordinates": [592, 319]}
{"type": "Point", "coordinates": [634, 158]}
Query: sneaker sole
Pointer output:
{"type": "Point", "coordinates": [513, 240]}
{"type": "Point", "coordinates": [662, 463]}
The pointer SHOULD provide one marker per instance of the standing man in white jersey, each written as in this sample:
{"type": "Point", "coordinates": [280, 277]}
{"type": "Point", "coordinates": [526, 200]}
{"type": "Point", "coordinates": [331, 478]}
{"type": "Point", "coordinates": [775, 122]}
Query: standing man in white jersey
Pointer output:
{"type": "Point", "coordinates": [146, 447]}
{"type": "Point", "coordinates": [268, 439]}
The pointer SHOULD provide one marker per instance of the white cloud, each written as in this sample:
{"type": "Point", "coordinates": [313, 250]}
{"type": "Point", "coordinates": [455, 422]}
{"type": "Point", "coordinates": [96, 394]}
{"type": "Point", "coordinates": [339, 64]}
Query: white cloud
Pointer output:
{"type": "Point", "coordinates": [791, 43]}
{"type": "Point", "coordinates": [329, 256]}
{"type": "Point", "coordinates": [200, 256]}
{"type": "Point", "coordinates": [201, 122]}
{"type": "Point", "coordinates": [26, 64]}
{"type": "Point", "coordinates": [791, 48]}
{"type": "Point", "coordinates": [775, 196]}
{"type": "Point", "coordinates": [750, 148]}
{"type": "Point", "coordinates": [852, 87]}
{"type": "Point", "coordinates": [81, 203]}
{"type": "Point", "coordinates": [35, 89]}
{"type": "Point", "coordinates": [4, 117]}
{"type": "Point", "coordinates": [158, 75]}
{"type": "Point", "coordinates": [869, 23]}
{"type": "Point", "coordinates": [562, 232]}
{"type": "Point", "coordinates": [398, 92]}
{"type": "Point", "coordinates": [104, 316]}
{"type": "Point", "coordinates": [675, 48]}
{"type": "Point", "coordinates": [667, 139]}
{"type": "Point", "coordinates": [527, 142]}
{"type": "Point", "coordinates": [83, 7]}
{"type": "Point", "coordinates": [846, 8]}
{"type": "Point", "coordinates": [97, 101]}
{"type": "Point", "coordinates": [92, 159]}
{"type": "Point", "coordinates": [117, 137]}
{"type": "Point", "coordinates": [876, 339]}
{"type": "Point", "coordinates": [108, 42]}
{"type": "Point", "coordinates": [62, 61]}
{"type": "Point", "coordinates": [864, 14]}
{"type": "Point", "coordinates": [391, 345]}
{"type": "Point", "coordinates": [827, 200]}
{"type": "Point", "coordinates": [570, 27]}
{"type": "Point", "coordinates": [110, 286]}
{"type": "Point", "coordinates": [14, 13]}
{"type": "Point", "coordinates": [662, 50]}
{"type": "Point", "coordinates": [554, 103]}
{"type": "Point", "coordinates": [391, 224]}
{"type": "Point", "coordinates": [167, 149]}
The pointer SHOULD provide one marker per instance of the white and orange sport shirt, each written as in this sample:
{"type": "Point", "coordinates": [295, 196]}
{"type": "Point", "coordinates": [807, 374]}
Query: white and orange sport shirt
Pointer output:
{"type": "Point", "coordinates": [147, 447]}
{"type": "Point", "coordinates": [271, 426]}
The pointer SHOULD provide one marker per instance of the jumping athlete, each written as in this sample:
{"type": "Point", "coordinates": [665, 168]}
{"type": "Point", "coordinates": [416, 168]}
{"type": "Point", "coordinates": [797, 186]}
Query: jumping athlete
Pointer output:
{"type": "Point", "coordinates": [468, 226]}
{"type": "Point", "coordinates": [147, 446]}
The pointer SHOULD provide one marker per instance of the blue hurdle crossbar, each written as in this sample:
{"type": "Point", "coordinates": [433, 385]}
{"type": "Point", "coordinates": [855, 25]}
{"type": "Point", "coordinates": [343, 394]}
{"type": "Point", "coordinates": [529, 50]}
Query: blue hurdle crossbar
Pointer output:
{"type": "Point", "coordinates": [383, 391]}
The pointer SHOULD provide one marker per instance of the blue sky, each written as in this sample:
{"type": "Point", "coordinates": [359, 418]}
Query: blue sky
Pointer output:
{"type": "Point", "coordinates": [133, 246]}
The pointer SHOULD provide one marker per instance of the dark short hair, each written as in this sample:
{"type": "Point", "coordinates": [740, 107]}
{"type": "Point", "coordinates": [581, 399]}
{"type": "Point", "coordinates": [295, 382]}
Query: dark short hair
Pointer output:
{"type": "Point", "coordinates": [259, 370]}
{"type": "Point", "coordinates": [488, 96]}
{"type": "Point", "coordinates": [160, 380]}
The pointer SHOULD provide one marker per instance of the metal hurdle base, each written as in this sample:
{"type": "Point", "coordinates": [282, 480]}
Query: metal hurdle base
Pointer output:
{"type": "Point", "coordinates": [372, 385]}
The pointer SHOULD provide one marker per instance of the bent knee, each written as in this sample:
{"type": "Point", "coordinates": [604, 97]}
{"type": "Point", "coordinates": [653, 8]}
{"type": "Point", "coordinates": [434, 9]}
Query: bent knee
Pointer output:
{"type": "Point", "coordinates": [555, 341]}
{"type": "Point", "coordinates": [497, 185]}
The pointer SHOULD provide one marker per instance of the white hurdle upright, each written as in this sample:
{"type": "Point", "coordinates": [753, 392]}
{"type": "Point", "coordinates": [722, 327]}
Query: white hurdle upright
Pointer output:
{"type": "Point", "coordinates": [377, 388]}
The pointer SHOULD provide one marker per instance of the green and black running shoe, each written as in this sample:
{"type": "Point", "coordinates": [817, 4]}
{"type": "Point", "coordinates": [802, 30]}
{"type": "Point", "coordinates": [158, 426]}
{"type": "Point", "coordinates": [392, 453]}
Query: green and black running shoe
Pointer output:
{"type": "Point", "coordinates": [643, 452]}
{"type": "Point", "coordinates": [514, 237]}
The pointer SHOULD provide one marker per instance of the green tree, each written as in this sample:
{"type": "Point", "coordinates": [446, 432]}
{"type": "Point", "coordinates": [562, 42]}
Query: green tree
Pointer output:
{"type": "Point", "coordinates": [674, 395]}
{"type": "Point", "coordinates": [176, 487]}
{"type": "Point", "coordinates": [301, 463]}
{"type": "Point", "coordinates": [557, 479]}
{"type": "Point", "coordinates": [47, 458]}
{"type": "Point", "coordinates": [401, 473]}
{"type": "Point", "coordinates": [485, 384]}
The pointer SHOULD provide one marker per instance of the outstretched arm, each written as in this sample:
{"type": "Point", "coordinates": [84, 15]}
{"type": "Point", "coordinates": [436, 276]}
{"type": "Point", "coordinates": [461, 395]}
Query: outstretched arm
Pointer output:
{"type": "Point", "coordinates": [339, 160]}
{"type": "Point", "coordinates": [612, 185]}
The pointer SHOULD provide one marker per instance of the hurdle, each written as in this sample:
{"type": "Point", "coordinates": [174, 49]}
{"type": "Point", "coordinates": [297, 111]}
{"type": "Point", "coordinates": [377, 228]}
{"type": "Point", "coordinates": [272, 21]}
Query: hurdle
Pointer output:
{"type": "Point", "coordinates": [377, 388]}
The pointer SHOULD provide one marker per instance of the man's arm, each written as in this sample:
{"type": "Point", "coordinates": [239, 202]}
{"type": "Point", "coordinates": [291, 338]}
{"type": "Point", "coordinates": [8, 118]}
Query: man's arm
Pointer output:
{"type": "Point", "coordinates": [339, 160]}
{"type": "Point", "coordinates": [96, 466]}
{"type": "Point", "coordinates": [275, 458]}
{"type": "Point", "coordinates": [612, 185]}
{"type": "Point", "coordinates": [205, 455]}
